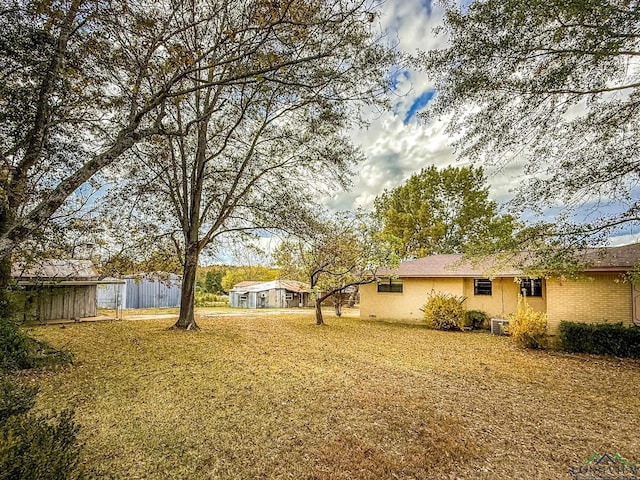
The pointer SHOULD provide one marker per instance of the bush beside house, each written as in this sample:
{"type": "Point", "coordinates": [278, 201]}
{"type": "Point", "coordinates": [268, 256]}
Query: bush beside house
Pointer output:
{"type": "Point", "coordinates": [600, 339]}
{"type": "Point", "coordinates": [444, 311]}
{"type": "Point", "coordinates": [477, 319]}
{"type": "Point", "coordinates": [527, 327]}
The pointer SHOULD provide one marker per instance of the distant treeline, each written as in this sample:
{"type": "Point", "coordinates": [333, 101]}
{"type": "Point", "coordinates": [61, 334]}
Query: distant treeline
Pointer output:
{"type": "Point", "coordinates": [221, 278]}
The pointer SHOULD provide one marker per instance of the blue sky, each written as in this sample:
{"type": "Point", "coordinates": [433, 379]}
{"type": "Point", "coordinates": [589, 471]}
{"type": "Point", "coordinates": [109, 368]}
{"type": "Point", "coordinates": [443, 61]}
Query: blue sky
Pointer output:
{"type": "Point", "coordinates": [418, 104]}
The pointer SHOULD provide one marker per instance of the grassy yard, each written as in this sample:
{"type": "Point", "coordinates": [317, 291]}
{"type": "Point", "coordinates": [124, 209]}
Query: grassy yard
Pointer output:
{"type": "Point", "coordinates": [136, 313]}
{"type": "Point", "coordinates": [278, 397]}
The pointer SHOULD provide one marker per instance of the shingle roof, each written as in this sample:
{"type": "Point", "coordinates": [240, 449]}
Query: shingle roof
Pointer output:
{"type": "Point", "coordinates": [56, 269]}
{"type": "Point", "coordinates": [612, 258]}
{"type": "Point", "coordinates": [453, 265]}
{"type": "Point", "coordinates": [617, 259]}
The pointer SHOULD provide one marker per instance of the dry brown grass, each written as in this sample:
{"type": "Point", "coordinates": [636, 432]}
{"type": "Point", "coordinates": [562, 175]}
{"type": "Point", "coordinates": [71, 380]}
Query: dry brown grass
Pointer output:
{"type": "Point", "coordinates": [278, 397]}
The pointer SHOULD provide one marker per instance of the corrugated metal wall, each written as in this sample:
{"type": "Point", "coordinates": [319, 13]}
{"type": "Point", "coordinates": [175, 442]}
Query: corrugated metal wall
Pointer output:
{"type": "Point", "coordinates": [253, 300]}
{"type": "Point", "coordinates": [153, 292]}
{"type": "Point", "coordinates": [110, 294]}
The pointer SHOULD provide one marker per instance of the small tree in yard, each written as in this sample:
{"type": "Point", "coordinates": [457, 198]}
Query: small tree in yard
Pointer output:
{"type": "Point", "coordinates": [444, 311]}
{"type": "Point", "coordinates": [342, 252]}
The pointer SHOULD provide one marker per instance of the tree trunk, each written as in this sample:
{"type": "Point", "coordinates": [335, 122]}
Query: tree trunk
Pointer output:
{"type": "Point", "coordinates": [187, 320]}
{"type": "Point", "coordinates": [319, 320]}
{"type": "Point", "coordinates": [337, 303]}
{"type": "Point", "coordinates": [5, 262]}
{"type": "Point", "coordinates": [5, 279]}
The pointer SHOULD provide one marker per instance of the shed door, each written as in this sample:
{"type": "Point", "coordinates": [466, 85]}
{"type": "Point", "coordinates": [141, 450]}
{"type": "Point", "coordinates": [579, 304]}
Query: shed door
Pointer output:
{"type": "Point", "coordinates": [635, 292]}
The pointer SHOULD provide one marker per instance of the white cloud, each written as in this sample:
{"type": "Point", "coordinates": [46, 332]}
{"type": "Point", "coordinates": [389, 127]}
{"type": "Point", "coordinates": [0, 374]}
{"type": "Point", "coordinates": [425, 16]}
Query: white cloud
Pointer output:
{"type": "Point", "coordinates": [395, 150]}
{"type": "Point", "coordinates": [623, 240]}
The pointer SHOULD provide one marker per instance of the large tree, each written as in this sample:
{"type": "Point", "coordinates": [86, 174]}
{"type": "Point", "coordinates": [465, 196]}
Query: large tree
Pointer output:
{"type": "Point", "coordinates": [334, 255]}
{"type": "Point", "coordinates": [553, 86]}
{"type": "Point", "coordinates": [85, 80]}
{"type": "Point", "coordinates": [443, 211]}
{"type": "Point", "coordinates": [255, 154]}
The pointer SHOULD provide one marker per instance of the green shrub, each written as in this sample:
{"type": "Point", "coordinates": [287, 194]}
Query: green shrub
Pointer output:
{"type": "Point", "coordinates": [477, 319]}
{"type": "Point", "coordinates": [527, 327]}
{"type": "Point", "coordinates": [19, 351]}
{"type": "Point", "coordinates": [210, 300]}
{"type": "Point", "coordinates": [600, 339]}
{"type": "Point", "coordinates": [39, 447]}
{"type": "Point", "coordinates": [34, 446]}
{"type": "Point", "coordinates": [16, 348]}
{"type": "Point", "coordinates": [15, 398]}
{"type": "Point", "coordinates": [444, 311]}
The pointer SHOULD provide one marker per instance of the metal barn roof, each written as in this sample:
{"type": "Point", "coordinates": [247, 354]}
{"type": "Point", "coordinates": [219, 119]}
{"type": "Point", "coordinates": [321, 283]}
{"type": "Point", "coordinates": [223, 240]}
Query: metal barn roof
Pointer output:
{"type": "Point", "coordinates": [55, 270]}
{"type": "Point", "coordinates": [291, 285]}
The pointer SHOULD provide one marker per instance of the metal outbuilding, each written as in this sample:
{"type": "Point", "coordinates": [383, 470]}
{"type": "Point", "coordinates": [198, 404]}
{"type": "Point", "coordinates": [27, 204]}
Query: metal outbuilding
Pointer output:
{"type": "Point", "coordinates": [273, 294]}
{"type": "Point", "coordinates": [148, 290]}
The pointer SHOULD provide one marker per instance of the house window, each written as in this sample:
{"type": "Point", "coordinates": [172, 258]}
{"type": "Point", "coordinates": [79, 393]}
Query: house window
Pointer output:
{"type": "Point", "coordinates": [481, 286]}
{"type": "Point", "coordinates": [242, 298]}
{"type": "Point", "coordinates": [531, 287]}
{"type": "Point", "coordinates": [390, 286]}
{"type": "Point", "coordinates": [288, 296]}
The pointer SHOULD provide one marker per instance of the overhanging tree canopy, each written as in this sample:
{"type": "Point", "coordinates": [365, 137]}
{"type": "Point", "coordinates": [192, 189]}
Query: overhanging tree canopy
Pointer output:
{"type": "Point", "coordinates": [553, 85]}
{"type": "Point", "coordinates": [85, 80]}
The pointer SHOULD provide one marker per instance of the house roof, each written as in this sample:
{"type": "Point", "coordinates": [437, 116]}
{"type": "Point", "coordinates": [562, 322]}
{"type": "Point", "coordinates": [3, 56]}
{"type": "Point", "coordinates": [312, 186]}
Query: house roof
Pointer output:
{"type": "Point", "coordinates": [56, 269]}
{"type": "Point", "coordinates": [606, 259]}
{"type": "Point", "coordinates": [612, 258]}
{"type": "Point", "coordinates": [291, 285]}
{"type": "Point", "coordinates": [453, 265]}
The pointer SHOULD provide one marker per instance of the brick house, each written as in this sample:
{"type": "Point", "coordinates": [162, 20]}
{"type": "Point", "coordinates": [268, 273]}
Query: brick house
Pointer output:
{"type": "Point", "coordinates": [601, 294]}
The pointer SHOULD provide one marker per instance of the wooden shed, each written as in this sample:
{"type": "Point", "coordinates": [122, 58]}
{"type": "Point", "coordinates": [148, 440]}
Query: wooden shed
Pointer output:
{"type": "Point", "coordinates": [57, 289]}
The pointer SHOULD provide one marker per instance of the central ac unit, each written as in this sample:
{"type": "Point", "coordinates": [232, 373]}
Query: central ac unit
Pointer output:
{"type": "Point", "coordinates": [499, 326]}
